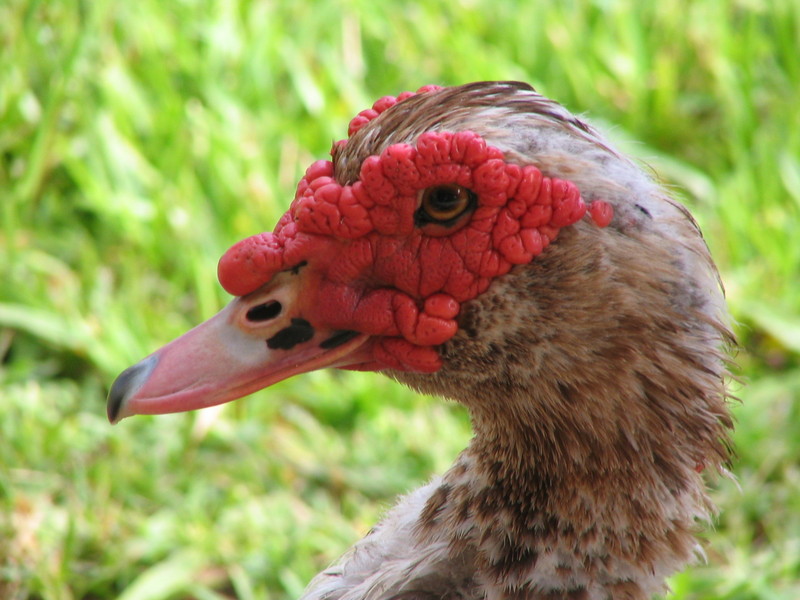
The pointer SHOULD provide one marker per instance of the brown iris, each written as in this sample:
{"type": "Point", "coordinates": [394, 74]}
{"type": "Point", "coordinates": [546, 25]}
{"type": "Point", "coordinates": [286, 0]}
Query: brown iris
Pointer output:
{"type": "Point", "coordinates": [444, 204]}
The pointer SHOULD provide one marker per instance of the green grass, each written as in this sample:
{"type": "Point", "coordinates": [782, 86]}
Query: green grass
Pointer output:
{"type": "Point", "coordinates": [139, 140]}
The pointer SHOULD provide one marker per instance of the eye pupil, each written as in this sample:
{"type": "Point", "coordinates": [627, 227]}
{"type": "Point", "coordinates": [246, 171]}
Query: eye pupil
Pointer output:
{"type": "Point", "coordinates": [444, 204]}
{"type": "Point", "coordinates": [444, 199]}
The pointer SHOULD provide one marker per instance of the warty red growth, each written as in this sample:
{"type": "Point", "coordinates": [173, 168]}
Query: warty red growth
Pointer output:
{"type": "Point", "coordinates": [424, 275]}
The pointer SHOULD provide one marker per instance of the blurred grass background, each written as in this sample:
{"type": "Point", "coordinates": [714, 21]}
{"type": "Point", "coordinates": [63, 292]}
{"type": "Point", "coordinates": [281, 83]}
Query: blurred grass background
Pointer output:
{"type": "Point", "coordinates": [139, 140]}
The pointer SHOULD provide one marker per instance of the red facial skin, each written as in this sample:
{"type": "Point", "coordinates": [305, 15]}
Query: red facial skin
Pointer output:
{"type": "Point", "coordinates": [384, 275]}
{"type": "Point", "coordinates": [359, 261]}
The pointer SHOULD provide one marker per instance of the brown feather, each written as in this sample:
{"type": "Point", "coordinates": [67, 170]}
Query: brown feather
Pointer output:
{"type": "Point", "coordinates": [594, 376]}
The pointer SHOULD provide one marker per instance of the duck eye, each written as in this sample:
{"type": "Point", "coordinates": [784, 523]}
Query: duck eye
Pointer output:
{"type": "Point", "coordinates": [443, 204]}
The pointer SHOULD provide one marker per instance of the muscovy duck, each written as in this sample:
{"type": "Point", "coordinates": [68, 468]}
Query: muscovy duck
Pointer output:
{"type": "Point", "coordinates": [483, 244]}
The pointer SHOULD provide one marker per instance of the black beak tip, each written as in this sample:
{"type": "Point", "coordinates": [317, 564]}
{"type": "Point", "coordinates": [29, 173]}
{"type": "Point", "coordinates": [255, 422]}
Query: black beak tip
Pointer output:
{"type": "Point", "coordinates": [126, 385]}
{"type": "Point", "coordinates": [115, 399]}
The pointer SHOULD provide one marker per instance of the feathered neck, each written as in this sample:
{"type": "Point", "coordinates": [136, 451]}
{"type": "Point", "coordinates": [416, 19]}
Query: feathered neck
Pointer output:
{"type": "Point", "coordinates": [595, 382]}
{"type": "Point", "coordinates": [594, 375]}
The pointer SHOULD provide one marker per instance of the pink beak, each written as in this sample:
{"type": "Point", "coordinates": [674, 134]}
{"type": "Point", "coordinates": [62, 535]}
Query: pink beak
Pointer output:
{"type": "Point", "coordinates": [255, 341]}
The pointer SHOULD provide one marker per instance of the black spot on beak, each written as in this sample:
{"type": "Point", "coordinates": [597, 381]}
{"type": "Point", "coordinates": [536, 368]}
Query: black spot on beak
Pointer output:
{"type": "Point", "coordinates": [298, 332]}
{"type": "Point", "coordinates": [338, 338]}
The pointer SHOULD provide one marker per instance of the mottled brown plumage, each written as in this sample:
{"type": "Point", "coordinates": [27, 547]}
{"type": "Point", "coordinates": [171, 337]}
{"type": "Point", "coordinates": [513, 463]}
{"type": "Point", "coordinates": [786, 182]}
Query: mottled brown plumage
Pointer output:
{"type": "Point", "coordinates": [594, 377]}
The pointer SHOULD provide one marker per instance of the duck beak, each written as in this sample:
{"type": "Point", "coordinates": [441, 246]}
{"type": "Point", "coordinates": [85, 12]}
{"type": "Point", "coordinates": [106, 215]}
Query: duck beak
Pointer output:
{"type": "Point", "coordinates": [255, 341]}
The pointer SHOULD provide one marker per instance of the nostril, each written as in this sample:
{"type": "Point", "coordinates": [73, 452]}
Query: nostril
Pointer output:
{"type": "Point", "coordinates": [264, 312]}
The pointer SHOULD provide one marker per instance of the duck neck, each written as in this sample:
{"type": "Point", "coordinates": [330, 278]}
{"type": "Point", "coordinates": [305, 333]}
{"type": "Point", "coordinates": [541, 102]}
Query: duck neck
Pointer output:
{"type": "Point", "coordinates": [554, 504]}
